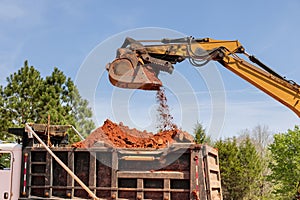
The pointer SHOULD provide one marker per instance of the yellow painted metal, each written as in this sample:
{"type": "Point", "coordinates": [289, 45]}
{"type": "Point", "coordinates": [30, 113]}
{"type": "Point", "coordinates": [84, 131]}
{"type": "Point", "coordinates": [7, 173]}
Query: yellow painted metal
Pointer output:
{"type": "Point", "coordinates": [281, 90]}
{"type": "Point", "coordinates": [181, 49]}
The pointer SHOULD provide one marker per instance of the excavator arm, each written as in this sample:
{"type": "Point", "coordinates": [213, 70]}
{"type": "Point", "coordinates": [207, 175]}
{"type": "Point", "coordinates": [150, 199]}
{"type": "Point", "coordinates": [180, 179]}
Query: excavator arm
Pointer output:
{"type": "Point", "coordinates": [137, 66]}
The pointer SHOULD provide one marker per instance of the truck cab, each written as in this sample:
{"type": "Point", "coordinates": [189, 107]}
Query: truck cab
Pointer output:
{"type": "Point", "coordinates": [10, 170]}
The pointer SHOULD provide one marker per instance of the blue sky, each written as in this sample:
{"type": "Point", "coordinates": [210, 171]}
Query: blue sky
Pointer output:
{"type": "Point", "coordinates": [70, 35]}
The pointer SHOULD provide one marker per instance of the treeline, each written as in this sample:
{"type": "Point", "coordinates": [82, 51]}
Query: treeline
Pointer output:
{"type": "Point", "coordinates": [257, 164]}
{"type": "Point", "coordinates": [30, 98]}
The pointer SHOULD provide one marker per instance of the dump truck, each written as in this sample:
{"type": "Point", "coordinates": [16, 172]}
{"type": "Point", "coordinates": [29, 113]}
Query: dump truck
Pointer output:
{"type": "Point", "coordinates": [35, 170]}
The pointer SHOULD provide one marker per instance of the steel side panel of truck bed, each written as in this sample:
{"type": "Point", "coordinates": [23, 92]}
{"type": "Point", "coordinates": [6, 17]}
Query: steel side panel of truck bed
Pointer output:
{"type": "Point", "coordinates": [182, 171]}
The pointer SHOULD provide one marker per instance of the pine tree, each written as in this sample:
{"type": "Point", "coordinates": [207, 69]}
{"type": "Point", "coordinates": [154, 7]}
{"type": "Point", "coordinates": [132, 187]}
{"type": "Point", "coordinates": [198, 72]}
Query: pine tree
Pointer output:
{"type": "Point", "coordinates": [30, 98]}
{"type": "Point", "coordinates": [251, 169]}
{"type": "Point", "coordinates": [21, 95]}
{"type": "Point", "coordinates": [240, 169]}
{"type": "Point", "coordinates": [4, 123]}
{"type": "Point", "coordinates": [261, 137]}
{"type": "Point", "coordinates": [200, 135]}
{"type": "Point", "coordinates": [230, 169]}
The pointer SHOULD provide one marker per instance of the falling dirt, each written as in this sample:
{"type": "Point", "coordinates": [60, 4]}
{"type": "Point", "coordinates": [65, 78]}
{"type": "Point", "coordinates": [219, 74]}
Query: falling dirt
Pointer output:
{"type": "Point", "coordinates": [165, 119]}
{"type": "Point", "coordinates": [118, 135]}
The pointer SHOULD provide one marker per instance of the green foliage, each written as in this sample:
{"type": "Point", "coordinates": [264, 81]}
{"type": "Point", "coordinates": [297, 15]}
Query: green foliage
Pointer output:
{"type": "Point", "coordinates": [261, 137]}
{"type": "Point", "coordinates": [251, 169]}
{"type": "Point", "coordinates": [200, 135]}
{"type": "Point", "coordinates": [21, 96]}
{"type": "Point", "coordinates": [5, 160]}
{"type": "Point", "coordinates": [230, 168]}
{"type": "Point", "coordinates": [285, 163]}
{"type": "Point", "coordinates": [2, 114]}
{"type": "Point", "coordinates": [240, 169]}
{"type": "Point", "coordinates": [30, 98]}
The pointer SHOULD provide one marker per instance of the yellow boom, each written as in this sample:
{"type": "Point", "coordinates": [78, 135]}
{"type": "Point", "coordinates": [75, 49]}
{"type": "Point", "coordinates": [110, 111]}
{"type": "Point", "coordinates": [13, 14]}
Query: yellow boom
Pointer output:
{"type": "Point", "coordinates": [137, 66]}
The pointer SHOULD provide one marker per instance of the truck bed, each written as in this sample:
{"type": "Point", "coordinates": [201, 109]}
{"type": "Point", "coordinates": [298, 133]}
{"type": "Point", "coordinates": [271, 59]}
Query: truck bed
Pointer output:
{"type": "Point", "coordinates": [182, 171]}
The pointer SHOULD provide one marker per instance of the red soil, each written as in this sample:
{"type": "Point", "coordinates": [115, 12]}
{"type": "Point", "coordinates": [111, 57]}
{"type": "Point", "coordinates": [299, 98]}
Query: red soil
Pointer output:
{"type": "Point", "coordinates": [118, 135]}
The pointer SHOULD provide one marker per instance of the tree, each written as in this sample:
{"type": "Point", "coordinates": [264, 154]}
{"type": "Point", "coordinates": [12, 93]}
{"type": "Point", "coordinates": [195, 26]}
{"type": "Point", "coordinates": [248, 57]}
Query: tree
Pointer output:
{"type": "Point", "coordinates": [200, 135]}
{"type": "Point", "coordinates": [261, 137]}
{"type": "Point", "coordinates": [19, 99]}
{"type": "Point", "coordinates": [251, 165]}
{"type": "Point", "coordinates": [21, 96]}
{"type": "Point", "coordinates": [3, 122]}
{"type": "Point", "coordinates": [230, 168]}
{"type": "Point", "coordinates": [53, 98]}
{"type": "Point", "coordinates": [30, 98]}
{"type": "Point", "coordinates": [285, 163]}
{"type": "Point", "coordinates": [79, 108]}
{"type": "Point", "coordinates": [240, 169]}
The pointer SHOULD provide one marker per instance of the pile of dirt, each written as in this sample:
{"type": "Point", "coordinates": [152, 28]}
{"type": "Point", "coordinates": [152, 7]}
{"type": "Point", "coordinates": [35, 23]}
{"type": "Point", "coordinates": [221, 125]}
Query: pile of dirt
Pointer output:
{"type": "Point", "coordinates": [121, 136]}
{"type": "Point", "coordinates": [118, 135]}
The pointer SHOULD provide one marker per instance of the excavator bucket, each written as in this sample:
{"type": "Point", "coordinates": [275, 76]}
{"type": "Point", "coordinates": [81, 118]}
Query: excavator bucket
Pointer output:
{"type": "Point", "coordinates": [124, 75]}
{"type": "Point", "coordinates": [129, 71]}
{"type": "Point", "coordinates": [135, 68]}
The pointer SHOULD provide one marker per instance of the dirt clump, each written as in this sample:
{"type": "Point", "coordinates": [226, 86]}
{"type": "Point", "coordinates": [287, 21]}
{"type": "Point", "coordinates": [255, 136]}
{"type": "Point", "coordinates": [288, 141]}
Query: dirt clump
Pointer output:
{"type": "Point", "coordinates": [120, 136]}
